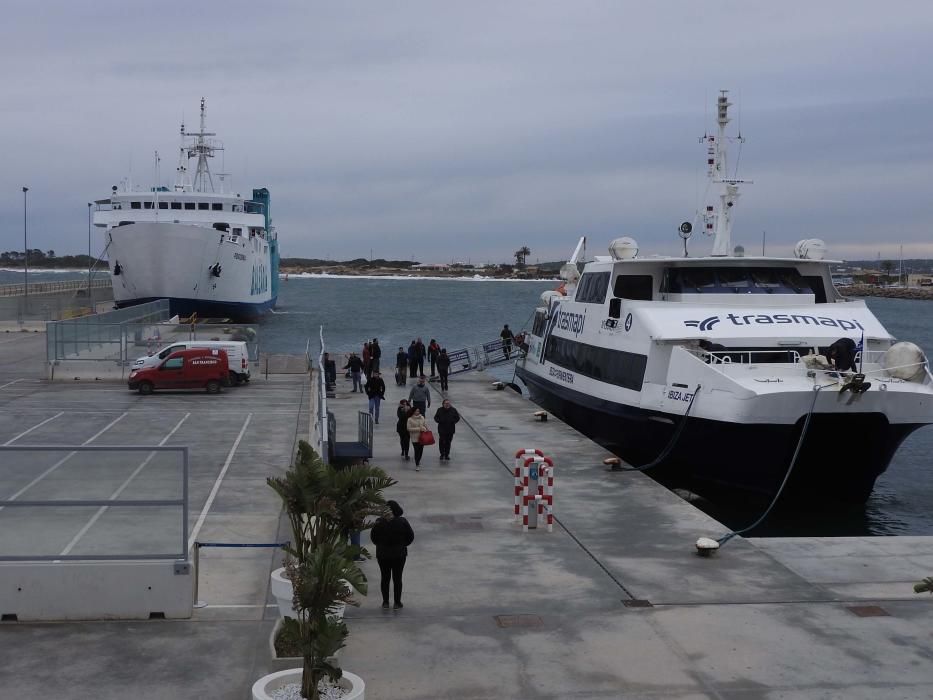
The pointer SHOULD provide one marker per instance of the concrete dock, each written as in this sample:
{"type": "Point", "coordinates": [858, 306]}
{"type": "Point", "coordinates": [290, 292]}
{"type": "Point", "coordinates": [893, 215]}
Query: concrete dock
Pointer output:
{"type": "Point", "coordinates": [614, 603]}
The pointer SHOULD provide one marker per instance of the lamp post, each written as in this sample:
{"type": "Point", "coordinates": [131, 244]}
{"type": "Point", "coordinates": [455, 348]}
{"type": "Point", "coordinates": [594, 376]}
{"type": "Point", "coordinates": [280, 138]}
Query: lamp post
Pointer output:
{"type": "Point", "coordinates": [89, 259]}
{"type": "Point", "coordinates": [25, 252]}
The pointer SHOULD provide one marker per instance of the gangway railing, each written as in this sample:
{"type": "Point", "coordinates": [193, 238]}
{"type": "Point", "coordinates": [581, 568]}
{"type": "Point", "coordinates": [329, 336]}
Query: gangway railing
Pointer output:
{"type": "Point", "coordinates": [477, 357]}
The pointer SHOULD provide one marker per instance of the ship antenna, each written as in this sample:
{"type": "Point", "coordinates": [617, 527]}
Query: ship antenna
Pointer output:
{"type": "Point", "coordinates": [203, 148]}
{"type": "Point", "coordinates": [718, 219]}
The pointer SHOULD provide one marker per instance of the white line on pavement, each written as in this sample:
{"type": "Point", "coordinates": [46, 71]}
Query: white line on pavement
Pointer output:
{"type": "Point", "coordinates": [4, 386]}
{"type": "Point", "coordinates": [220, 477]}
{"type": "Point", "coordinates": [39, 425]}
{"type": "Point", "coordinates": [116, 494]}
{"type": "Point", "coordinates": [63, 460]}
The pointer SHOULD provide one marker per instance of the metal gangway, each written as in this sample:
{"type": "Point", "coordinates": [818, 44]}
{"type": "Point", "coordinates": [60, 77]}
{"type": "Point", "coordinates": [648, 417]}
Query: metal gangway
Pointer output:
{"type": "Point", "coordinates": [479, 357]}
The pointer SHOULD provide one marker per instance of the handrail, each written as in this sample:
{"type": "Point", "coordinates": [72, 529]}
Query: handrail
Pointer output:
{"type": "Point", "coordinates": [18, 290]}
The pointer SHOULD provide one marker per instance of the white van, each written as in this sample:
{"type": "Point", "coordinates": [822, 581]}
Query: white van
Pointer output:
{"type": "Point", "coordinates": [237, 355]}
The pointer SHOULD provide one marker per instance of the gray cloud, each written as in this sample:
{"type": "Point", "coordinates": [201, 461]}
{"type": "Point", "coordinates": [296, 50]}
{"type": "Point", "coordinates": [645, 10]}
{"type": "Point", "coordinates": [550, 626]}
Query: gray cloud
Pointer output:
{"type": "Point", "coordinates": [446, 130]}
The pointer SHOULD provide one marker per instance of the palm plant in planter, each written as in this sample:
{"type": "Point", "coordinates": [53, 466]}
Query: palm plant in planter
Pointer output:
{"type": "Point", "coordinates": [322, 505]}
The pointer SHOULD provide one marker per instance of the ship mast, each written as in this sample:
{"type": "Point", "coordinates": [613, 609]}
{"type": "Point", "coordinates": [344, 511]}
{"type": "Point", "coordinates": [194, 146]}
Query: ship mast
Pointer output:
{"type": "Point", "coordinates": [718, 219]}
{"type": "Point", "coordinates": [202, 148]}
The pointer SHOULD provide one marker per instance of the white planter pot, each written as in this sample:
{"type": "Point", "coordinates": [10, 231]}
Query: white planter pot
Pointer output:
{"type": "Point", "coordinates": [282, 589]}
{"type": "Point", "coordinates": [265, 686]}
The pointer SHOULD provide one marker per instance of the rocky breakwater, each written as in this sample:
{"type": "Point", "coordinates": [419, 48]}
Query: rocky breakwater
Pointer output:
{"type": "Point", "coordinates": [867, 290]}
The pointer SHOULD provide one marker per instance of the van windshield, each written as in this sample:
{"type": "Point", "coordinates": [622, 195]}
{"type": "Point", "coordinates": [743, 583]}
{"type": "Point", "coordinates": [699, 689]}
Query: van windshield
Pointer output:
{"type": "Point", "coordinates": [168, 351]}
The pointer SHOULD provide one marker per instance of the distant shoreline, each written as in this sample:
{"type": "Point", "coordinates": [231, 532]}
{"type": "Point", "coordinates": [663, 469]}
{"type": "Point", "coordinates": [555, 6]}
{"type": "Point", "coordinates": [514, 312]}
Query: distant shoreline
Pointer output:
{"type": "Point", "coordinates": [285, 276]}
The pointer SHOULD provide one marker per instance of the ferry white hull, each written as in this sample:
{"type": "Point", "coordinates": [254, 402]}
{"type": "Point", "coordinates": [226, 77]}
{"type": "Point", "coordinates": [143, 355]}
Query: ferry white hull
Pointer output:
{"type": "Point", "coordinates": [172, 261]}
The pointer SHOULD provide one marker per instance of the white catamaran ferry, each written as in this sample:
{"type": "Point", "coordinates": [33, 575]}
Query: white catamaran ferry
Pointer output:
{"type": "Point", "coordinates": [733, 370]}
{"type": "Point", "coordinates": [207, 251]}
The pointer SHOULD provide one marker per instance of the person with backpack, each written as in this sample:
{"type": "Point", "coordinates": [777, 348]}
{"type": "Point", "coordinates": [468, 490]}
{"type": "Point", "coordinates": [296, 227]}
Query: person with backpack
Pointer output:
{"type": "Point", "coordinates": [376, 391]}
{"type": "Point", "coordinates": [443, 367]}
{"type": "Point", "coordinates": [433, 351]}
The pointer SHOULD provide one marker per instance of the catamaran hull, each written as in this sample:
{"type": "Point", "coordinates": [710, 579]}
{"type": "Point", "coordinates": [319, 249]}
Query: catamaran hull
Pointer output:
{"type": "Point", "coordinates": [163, 260]}
{"type": "Point", "coordinates": [842, 455]}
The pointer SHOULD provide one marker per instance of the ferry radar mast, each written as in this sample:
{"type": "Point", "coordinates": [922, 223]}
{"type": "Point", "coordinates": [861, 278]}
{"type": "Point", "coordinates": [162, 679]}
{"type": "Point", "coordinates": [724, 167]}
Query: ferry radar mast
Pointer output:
{"type": "Point", "coordinates": [202, 148]}
{"type": "Point", "coordinates": [718, 220]}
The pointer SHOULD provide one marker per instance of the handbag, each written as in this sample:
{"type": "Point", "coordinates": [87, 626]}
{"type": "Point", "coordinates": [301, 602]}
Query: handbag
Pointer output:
{"type": "Point", "coordinates": [427, 437]}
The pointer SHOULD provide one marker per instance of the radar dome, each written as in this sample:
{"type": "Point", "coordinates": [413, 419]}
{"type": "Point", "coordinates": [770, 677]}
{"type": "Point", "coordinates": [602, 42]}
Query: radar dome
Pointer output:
{"type": "Point", "coordinates": [810, 249]}
{"type": "Point", "coordinates": [624, 248]}
{"type": "Point", "coordinates": [904, 361]}
{"type": "Point", "coordinates": [570, 273]}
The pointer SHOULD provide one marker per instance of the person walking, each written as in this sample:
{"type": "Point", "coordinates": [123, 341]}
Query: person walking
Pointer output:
{"type": "Point", "coordinates": [443, 367]}
{"type": "Point", "coordinates": [506, 336]}
{"type": "Point", "coordinates": [376, 391]}
{"type": "Point", "coordinates": [401, 366]}
{"type": "Point", "coordinates": [420, 395]}
{"type": "Point", "coordinates": [412, 360]}
{"type": "Point", "coordinates": [392, 534]}
{"type": "Point", "coordinates": [422, 351]}
{"type": "Point", "coordinates": [375, 353]}
{"type": "Point", "coordinates": [367, 359]}
{"type": "Point", "coordinates": [416, 425]}
{"type": "Point", "coordinates": [446, 418]}
{"type": "Point", "coordinates": [355, 365]}
{"type": "Point", "coordinates": [433, 351]}
{"type": "Point", "coordinates": [401, 426]}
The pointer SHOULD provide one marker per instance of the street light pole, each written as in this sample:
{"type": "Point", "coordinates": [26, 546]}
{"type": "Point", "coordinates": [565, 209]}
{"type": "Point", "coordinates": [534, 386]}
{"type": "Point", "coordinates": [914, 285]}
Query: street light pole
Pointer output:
{"type": "Point", "coordinates": [89, 259]}
{"type": "Point", "coordinates": [25, 252]}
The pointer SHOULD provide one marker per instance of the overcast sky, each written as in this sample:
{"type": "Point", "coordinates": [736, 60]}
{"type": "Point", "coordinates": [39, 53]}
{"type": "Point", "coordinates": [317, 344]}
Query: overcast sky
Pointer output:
{"type": "Point", "coordinates": [445, 130]}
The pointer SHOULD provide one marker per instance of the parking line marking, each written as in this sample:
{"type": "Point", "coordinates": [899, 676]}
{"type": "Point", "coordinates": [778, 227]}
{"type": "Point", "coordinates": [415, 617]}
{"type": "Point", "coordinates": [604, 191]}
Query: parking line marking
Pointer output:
{"type": "Point", "coordinates": [220, 477]}
{"type": "Point", "coordinates": [4, 386]}
{"type": "Point", "coordinates": [63, 460]}
{"type": "Point", "coordinates": [39, 425]}
{"type": "Point", "coordinates": [116, 494]}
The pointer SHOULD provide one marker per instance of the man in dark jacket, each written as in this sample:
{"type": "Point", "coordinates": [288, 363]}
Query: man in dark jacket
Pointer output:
{"type": "Point", "coordinates": [446, 418]}
{"type": "Point", "coordinates": [401, 366]}
{"type": "Point", "coordinates": [443, 367]}
{"type": "Point", "coordinates": [506, 336]}
{"type": "Point", "coordinates": [392, 534]}
{"type": "Point", "coordinates": [355, 365]}
{"type": "Point", "coordinates": [422, 352]}
{"type": "Point", "coordinates": [376, 391]}
{"type": "Point", "coordinates": [413, 360]}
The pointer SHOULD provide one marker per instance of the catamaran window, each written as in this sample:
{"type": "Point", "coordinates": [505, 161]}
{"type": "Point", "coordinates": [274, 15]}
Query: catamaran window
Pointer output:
{"type": "Point", "coordinates": [163, 205]}
{"type": "Point", "coordinates": [237, 232]}
{"type": "Point", "coordinates": [189, 205]}
{"type": "Point", "coordinates": [203, 205]}
{"type": "Point", "coordinates": [176, 205]}
{"type": "Point", "coordinates": [625, 369]}
{"type": "Point", "coordinates": [147, 205]}
{"type": "Point", "coordinates": [539, 324]}
{"type": "Point", "coordinates": [136, 205]}
{"type": "Point", "coordinates": [736, 280]}
{"type": "Point", "coordinates": [117, 205]}
{"type": "Point", "coordinates": [592, 287]}
{"type": "Point", "coordinates": [216, 206]}
{"type": "Point", "coordinates": [815, 283]}
{"type": "Point", "coordinates": [637, 287]}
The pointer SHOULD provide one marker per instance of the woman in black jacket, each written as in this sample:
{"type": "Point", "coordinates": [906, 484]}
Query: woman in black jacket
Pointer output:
{"type": "Point", "coordinates": [401, 426]}
{"type": "Point", "coordinates": [392, 534]}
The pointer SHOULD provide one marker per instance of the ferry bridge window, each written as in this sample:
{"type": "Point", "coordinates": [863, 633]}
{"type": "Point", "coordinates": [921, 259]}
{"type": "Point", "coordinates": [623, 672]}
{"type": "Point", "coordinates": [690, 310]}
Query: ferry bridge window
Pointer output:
{"type": "Point", "coordinates": [136, 205]}
{"type": "Point", "coordinates": [744, 280]}
{"type": "Point", "coordinates": [592, 288]}
{"type": "Point", "coordinates": [147, 205]}
{"type": "Point", "coordinates": [625, 369]}
{"type": "Point", "coordinates": [203, 205]}
{"type": "Point", "coordinates": [163, 205]}
{"type": "Point", "coordinates": [176, 205]}
{"type": "Point", "coordinates": [216, 206]}
{"type": "Point", "coordinates": [189, 205]}
{"type": "Point", "coordinates": [637, 287]}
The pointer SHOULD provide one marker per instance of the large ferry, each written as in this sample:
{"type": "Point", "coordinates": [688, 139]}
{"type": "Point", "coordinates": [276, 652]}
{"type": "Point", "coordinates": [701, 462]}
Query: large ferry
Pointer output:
{"type": "Point", "coordinates": [728, 371]}
{"type": "Point", "coordinates": [208, 251]}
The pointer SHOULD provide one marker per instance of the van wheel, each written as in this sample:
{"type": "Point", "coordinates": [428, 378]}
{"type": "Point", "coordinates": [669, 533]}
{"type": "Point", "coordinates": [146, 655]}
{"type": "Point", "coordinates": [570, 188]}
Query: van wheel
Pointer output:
{"type": "Point", "coordinates": [145, 388]}
{"type": "Point", "coordinates": [213, 386]}
{"type": "Point", "coordinates": [234, 379]}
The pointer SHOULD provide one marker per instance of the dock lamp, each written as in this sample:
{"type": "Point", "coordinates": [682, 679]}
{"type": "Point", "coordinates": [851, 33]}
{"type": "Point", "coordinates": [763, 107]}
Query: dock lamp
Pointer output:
{"type": "Point", "coordinates": [89, 258]}
{"type": "Point", "coordinates": [25, 252]}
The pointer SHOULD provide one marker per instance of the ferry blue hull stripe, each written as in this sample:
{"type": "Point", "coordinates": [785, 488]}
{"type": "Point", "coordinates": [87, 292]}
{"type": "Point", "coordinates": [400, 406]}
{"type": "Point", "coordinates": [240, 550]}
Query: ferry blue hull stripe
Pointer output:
{"type": "Point", "coordinates": [241, 312]}
{"type": "Point", "coordinates": [842, 455]}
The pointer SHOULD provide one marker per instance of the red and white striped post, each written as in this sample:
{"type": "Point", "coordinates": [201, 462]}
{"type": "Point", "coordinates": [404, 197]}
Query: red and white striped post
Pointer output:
{"type": "Point", "coordinates": [520, 479]}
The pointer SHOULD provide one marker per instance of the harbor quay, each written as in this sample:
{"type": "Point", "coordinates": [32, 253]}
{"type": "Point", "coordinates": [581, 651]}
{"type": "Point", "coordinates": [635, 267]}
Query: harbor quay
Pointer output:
{"type": "Point", "coordinates": [613, 603]}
